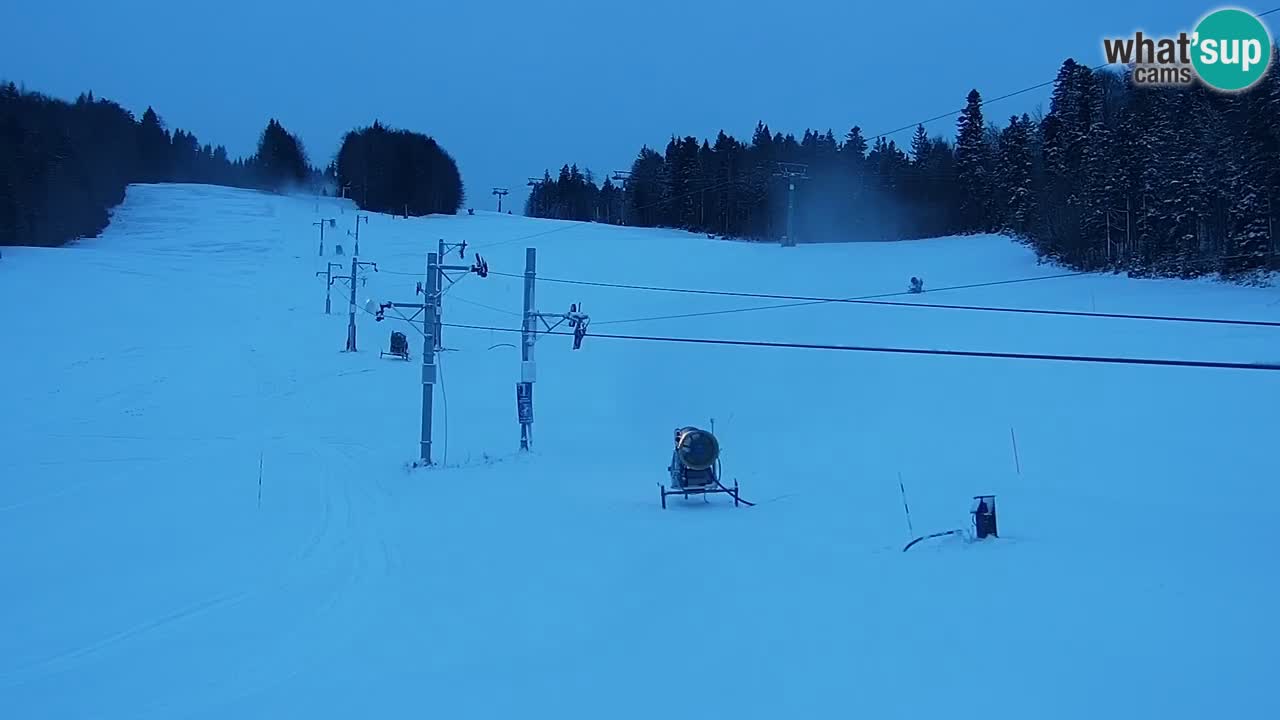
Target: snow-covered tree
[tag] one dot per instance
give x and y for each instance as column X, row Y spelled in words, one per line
column 973, row 166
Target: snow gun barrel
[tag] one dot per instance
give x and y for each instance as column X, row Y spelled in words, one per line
column 696, row 449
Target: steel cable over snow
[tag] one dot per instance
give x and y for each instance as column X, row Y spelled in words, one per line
column 1102, row 359
column 804, row 300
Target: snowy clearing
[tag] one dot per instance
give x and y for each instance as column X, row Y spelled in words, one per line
column 148, row 374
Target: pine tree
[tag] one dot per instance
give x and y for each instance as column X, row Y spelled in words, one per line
column 1249, row 184
column 540, row 202
column 1268, row 139
column 726, row 178
column 1065, row 132
column 853, row 160
column 646, row 196
column 560, row 192
column 972, row 166
column 1100, row 186
column 185, row 157
column 281, row 161
column 920, row 145
column 1014, row 177
column 827, row 151
column 609, row 210
column 1145, row 140
column 1186, row 201
column 762, row 158
column 153, row 149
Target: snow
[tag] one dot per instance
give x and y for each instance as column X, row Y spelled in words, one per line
column 148, row 374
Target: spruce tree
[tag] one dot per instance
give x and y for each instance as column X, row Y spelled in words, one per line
column 645, row 197
column 1187, row 199
column 1249, row 183
column 726, row 179
column 609, row 210
column 972, row 163
column 920, row 145
column 1014, row 177
column 1146, row 141
column 153, row 149
column 853, row 160
column 1065, row 133
column 281, row 161
column 1099, row 193
column 762, row 156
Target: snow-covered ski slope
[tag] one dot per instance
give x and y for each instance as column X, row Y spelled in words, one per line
column 149, row 569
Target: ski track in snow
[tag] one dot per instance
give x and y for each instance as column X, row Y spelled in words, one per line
column 142, row 578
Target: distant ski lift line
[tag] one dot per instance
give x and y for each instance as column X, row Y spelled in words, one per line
column 1099, row 359
column 872, row 300
column 1006, row 96
column 801, row 301
column 894, row 131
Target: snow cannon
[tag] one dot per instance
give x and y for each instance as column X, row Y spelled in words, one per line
column 695, row 466
column 696, row 449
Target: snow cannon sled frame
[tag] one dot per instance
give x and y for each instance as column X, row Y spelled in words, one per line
column 399, row 346
column 696, row 476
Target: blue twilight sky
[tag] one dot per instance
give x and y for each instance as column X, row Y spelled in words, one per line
column 511, row 88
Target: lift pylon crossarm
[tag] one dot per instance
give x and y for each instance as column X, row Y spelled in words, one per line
column 449, row 247
column 576, row 319
column 380, row 314
column 560, row 319
column 417, row 308
column 479, row 267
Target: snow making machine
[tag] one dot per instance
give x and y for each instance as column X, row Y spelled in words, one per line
column 399, row 344
column 695, row 466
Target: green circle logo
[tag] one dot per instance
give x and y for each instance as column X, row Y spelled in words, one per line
column 1232, row 49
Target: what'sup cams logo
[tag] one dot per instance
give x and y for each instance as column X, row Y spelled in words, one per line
column 1229, row 50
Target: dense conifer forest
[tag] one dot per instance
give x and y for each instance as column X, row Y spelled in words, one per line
column 64, row 165
column 1172, row 181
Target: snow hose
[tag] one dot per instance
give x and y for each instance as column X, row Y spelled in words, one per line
column 734, row 494
column 926, row 537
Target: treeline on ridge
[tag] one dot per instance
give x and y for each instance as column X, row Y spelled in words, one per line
column 1171, row 181
column 64, row 165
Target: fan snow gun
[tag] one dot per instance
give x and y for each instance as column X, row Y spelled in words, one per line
column 695, row 466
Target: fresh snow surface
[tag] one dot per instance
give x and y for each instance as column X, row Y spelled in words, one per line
column 148, row 375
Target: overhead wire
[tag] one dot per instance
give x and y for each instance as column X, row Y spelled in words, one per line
column 803, row 300
column 884, row 134
column 1006, row 96
column 467, row 301
column 1104, row 359
column 824, row 301
column 874, row 299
